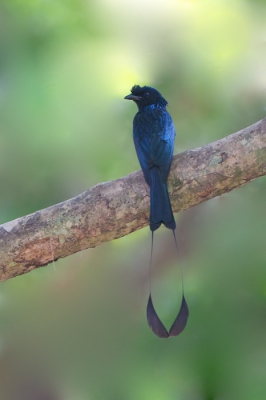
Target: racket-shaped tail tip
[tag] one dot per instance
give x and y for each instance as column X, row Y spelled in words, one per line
column 154, row 321
column 180, row 322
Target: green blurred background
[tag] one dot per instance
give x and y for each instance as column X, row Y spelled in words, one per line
column 77, row 330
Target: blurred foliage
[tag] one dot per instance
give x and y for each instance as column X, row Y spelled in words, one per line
column 77, row 329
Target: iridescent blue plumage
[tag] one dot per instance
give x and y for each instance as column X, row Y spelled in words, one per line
column 154, row 135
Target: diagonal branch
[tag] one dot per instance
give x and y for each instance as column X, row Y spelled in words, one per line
column 114, row 209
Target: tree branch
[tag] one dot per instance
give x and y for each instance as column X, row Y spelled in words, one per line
column 114, row 209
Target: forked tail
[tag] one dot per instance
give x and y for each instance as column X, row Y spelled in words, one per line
column 160, row 207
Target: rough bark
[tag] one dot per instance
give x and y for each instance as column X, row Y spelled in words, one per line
column 114, row 209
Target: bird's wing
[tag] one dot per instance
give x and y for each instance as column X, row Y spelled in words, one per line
column 162, row 147
column 154, row 135
column 142, row 143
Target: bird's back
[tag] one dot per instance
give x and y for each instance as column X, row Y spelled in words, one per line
column 154, row 134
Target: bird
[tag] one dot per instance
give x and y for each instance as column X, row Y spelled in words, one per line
column 154, row 136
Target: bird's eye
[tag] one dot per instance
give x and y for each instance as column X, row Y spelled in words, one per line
column 146, row 94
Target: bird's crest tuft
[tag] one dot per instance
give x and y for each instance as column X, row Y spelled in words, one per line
column 136, row 89
column 154, row 98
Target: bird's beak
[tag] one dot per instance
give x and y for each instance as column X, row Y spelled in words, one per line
column 132, row 97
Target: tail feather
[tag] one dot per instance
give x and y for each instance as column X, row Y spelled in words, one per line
column 160, row 207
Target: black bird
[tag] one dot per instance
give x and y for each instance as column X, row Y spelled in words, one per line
column 154, row 135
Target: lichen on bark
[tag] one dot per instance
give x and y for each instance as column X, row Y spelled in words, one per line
column 114, row 209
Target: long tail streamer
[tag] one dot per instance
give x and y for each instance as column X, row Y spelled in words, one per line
column 154, row 321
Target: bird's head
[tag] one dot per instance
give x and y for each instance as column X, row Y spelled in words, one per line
column 146, row 96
